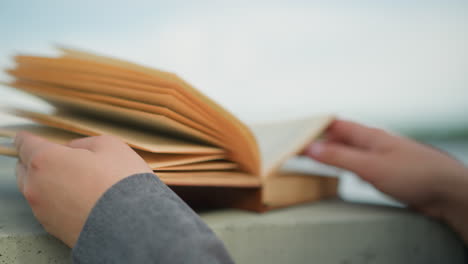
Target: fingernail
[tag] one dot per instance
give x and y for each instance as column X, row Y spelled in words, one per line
column 315, row 149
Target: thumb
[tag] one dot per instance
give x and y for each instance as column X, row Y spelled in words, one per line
column 88, row 143
column 99, row 143
column 340, row 155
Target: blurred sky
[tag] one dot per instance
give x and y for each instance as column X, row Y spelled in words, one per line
column 392, row 63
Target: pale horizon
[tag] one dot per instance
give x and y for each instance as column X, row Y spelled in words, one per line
column 393, row 64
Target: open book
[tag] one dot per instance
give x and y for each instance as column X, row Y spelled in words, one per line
column 203, row 152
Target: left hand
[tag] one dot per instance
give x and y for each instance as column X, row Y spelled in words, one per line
column 62, row 183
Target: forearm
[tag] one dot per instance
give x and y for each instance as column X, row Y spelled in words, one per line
column 140, row 220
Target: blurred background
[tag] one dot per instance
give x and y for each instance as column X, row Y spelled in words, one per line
column 400, row 65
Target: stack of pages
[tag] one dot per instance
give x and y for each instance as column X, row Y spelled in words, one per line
column 203, row 152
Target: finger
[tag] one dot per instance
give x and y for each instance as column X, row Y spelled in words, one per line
column 354, row 134
column 21, row 174
column 304, row 151
column 98, row 143
column 88, row 143
column 27, row 144
column 341, row 156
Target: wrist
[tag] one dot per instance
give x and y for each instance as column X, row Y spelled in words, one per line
column 455, row 202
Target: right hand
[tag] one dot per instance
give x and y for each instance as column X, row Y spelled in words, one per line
column 426, row 179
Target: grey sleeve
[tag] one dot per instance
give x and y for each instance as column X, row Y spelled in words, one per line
column 140, row 220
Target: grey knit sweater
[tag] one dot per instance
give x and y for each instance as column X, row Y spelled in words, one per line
column 140, row 220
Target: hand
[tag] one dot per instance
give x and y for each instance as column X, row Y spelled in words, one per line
column 62, row 183
column 425, row 178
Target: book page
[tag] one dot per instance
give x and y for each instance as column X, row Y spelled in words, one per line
column 282, row 140
column 207, row 178
column 243, row 149
column 158, row 124
column 139, row 139
column 238, row 140
column 73, row 81
column 154, row 160
column 8, row 151
column 104, row 74
column 157, row 160
column 201, row 166
column 53, row 93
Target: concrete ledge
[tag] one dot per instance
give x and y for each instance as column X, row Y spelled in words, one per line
column 336, row 232
column 324, row 232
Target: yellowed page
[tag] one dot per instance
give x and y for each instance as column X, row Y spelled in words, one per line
column 201, row 166
column 46, row 91
column 79, row 61
column 8, row 151
column 157, row 160
column 154, row 160
column 71, row 81
column 106, row 74
column 282, row 140
column 206, row 178
column 241, row 145
column 244, row 150
column 52, row 134
column 139, row 139
column 152, row 122
column 8, row 132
